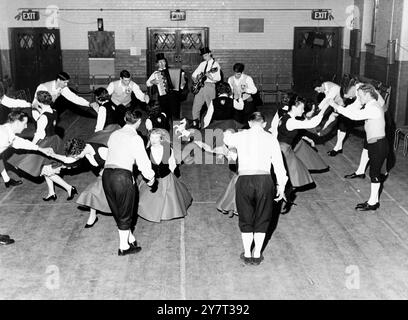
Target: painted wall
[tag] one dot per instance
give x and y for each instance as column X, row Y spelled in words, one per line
column 221, row 16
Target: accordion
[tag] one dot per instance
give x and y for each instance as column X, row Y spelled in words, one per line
column 175, row 78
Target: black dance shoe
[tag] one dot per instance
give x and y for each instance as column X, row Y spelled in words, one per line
column 333, row 153
column 5, row 240
column 361, row 205
column 369, row 207
column 135, row 246
column 257, row 261
column 74, row 191
column 355, row 175
column 92, row 224
column 12, row 183
column 131, row 250
column 52, row 197
column 245, row 259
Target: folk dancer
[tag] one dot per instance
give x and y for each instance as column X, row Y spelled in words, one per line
column 377, row 143
column 242, row 86
column 16, row 123
column 257, row 151
column 121, row 94
column 125, row 148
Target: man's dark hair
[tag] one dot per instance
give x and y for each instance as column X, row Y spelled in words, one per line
column 63, row 76
column 257, row 117
column 44, row 97
column 132, row 115
column 295, row 100
column 222, row 87
column 238, row 67
column 124, row 74
column 369, row 88
column 102, row 94
column 16, row 116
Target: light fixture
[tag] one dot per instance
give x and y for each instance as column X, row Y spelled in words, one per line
column 100, row 24
column 391, row 51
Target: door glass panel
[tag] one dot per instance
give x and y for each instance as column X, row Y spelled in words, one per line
column 164, row 41
column 191, row 41
column 25, row 41
column 47, row 41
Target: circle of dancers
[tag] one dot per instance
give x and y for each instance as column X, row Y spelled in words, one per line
column 139, row 144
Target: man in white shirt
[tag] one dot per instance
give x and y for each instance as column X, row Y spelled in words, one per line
column 121, row 94
column 62, row 96
column 7, row 105
column 243, row 87
column 16, row 123
column 125, row 148
column 212, row 71
column 257, row 151
column 377, row 143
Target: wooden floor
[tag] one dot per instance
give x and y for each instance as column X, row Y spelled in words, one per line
column 322, row 249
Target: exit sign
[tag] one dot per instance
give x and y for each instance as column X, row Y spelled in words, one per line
column 177, row 15
column 322, row 14
column 30, row 15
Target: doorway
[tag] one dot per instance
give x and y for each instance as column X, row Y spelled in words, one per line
column 181, row 47
column 317, row 55
column 35, row 56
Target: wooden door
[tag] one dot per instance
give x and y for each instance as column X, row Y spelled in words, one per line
column 181, row 47
column 35, row 56
column 316, row 56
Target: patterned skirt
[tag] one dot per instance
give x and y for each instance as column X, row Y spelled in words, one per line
column 226, row 202
column 94, row 197
column 298, row 173
column 310, row 157
column 32, row 162
column 170, row 201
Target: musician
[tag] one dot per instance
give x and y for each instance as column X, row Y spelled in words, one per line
column 243, row 86
column 169, row 82
column 212, row 71
column 121, row 94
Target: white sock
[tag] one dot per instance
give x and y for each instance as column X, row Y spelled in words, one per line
column 5, row 176
column 340, row 138
column 92, row 216
column 259, row 240
column 123, row 239
column 247, row 239
column 375, row 190
column 363, row 162
column 131, row 238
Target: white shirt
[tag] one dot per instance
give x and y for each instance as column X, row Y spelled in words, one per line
column 120, row 92
column 373, row 114
column 332, row 91
column 42, row 122
column 101, row 119
column 8, row 138
column 216, row 76
column 257, row 151
column 243, row 84
column 55, row 92
column 125, row 148
column 14, row 103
